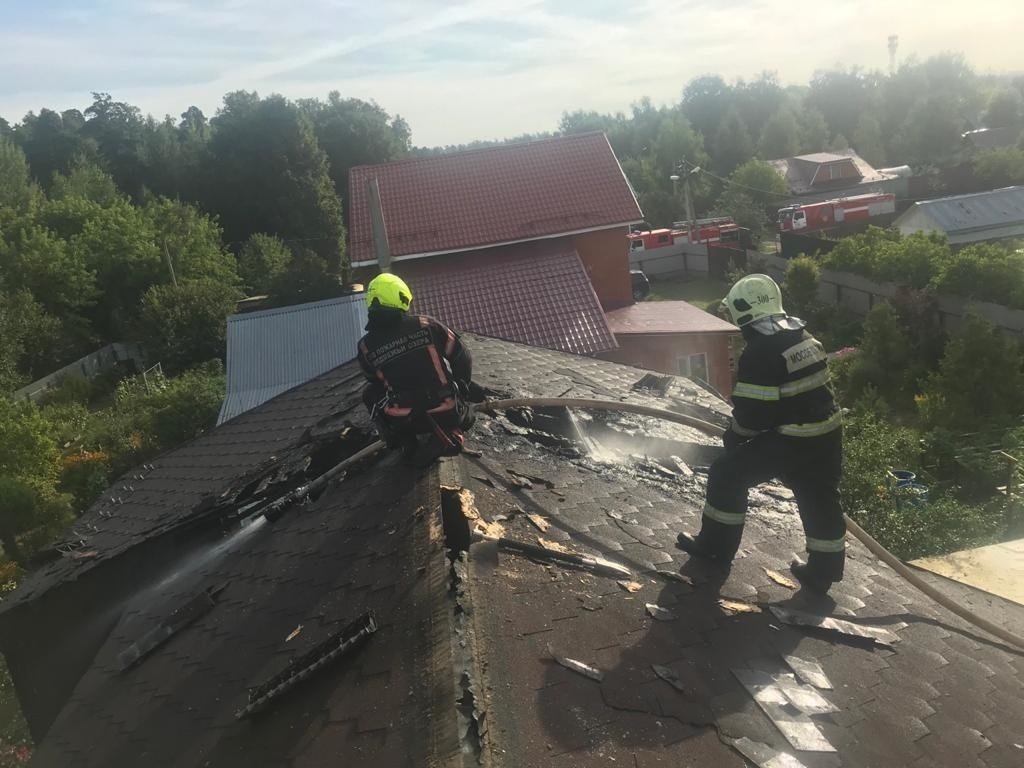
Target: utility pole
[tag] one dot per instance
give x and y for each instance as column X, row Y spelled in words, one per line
column 170, row 265
column 688, row 201
column 380, row 232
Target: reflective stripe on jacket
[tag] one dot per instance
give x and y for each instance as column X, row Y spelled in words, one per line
column 783, row 385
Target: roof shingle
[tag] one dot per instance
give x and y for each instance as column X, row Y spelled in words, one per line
column 534, row 293
column 666, row 317
column 492, row 196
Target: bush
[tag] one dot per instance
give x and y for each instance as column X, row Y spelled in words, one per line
column 979, row 381
column 911, row 530
column 872, row 446
column 984, row 272
column 801, row 285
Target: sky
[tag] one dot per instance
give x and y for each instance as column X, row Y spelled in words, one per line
column 459, row 71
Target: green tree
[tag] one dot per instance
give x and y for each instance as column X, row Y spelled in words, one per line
column 121, row 247
column 27, row 334
column 35, row 260
column 1005, row 109
column 192, row 241
column 262, row 261
column 267, row 174
column 813, row 130
column 780, row 136
column 118, row 131
column 354, row 132
column 994, row 168
column 705, row 100
column 16, row 188
column 883, row 359
column 305, row 279
column 979, row 381
column 751, row 195
column 842, row 97
column 732, row 143
column 931, row 133
column 52, row 141
column 868, row 140
column 185, row 324
column 85, row 180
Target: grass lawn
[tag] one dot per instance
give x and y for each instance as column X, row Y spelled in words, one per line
column 696, row 291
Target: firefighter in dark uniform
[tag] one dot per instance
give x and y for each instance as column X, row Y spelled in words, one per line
column 419, row 372
column 785, row 425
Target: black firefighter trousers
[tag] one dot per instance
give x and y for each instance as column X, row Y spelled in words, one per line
column 810, row 466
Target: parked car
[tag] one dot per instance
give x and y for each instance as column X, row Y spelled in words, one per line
column 641, row 285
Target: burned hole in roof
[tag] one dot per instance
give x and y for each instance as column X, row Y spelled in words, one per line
column 455, row 517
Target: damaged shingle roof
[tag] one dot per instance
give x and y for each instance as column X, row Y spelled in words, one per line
column 943, row 695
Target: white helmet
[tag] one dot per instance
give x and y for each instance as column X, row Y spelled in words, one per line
column 752, row 298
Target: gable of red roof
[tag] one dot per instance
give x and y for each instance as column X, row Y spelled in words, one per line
column 492, row 196
column 534, row 293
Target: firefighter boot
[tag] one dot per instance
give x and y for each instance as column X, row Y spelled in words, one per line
column 810, row 578
column 694, row 546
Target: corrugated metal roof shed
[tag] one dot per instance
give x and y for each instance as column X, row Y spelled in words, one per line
column 994, row 209
column 272, row 351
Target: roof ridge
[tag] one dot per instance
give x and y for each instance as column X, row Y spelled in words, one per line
column 971, row 194
column 479, row 150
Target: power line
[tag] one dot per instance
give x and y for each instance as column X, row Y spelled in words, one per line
column 738, row 184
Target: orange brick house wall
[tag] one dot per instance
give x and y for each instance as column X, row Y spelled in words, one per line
column 605, row 254
column 663, row 352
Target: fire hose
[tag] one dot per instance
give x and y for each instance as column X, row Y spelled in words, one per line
column 715, row 431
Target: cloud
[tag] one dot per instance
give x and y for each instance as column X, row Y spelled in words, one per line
column 462, row 71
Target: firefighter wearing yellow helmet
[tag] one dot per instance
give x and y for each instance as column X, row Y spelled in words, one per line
column 418, row 374
column 785, row 425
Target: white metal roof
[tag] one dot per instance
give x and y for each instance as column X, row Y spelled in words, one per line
column 272, row 351
column 981, row 210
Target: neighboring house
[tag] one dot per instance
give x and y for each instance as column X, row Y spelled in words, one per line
column 980, row 217
column 674, row 337
column 463, row 668
column 567, row 195
column 827, row 175
column 275, row 350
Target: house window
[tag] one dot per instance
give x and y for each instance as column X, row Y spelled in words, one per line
column 695, row 367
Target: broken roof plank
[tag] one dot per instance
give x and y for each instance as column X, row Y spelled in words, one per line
column 809, row 671
column 799, row 618
column 799, row 730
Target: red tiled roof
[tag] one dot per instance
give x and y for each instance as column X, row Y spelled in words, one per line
column 535, row 293
column 665, row 317
column 492, row 196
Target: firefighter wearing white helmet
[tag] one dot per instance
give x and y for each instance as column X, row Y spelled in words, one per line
column 785, row 425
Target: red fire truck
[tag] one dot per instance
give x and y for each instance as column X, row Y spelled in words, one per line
column 705, row 231
column 834, row 213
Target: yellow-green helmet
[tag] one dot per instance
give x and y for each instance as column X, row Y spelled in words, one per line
column 388, row 291
column 752, row 298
